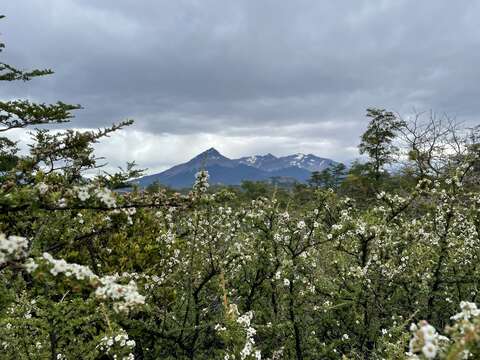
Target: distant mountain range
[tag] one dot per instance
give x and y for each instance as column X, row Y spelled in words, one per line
column 222, row 170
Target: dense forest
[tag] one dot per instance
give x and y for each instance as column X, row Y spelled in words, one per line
column 379, row 260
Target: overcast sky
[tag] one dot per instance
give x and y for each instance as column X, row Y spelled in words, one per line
column 244, row 76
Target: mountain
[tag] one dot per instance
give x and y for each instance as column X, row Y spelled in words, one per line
column 227, row 171
column 269, row 162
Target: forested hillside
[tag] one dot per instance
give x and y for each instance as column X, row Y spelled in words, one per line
column 380, row 262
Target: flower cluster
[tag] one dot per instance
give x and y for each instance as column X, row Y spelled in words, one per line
column 125, row 297
column 12, row 247
column 82, row 192
column 60, row 266
column 106, row 196
column 425, row 341
column 469, row 310
column 42, row 188
column 463, row 341
column 117, row 343
column 201, row 182
column 248, row 348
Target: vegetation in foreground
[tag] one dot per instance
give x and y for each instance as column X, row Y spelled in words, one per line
column 363, row 264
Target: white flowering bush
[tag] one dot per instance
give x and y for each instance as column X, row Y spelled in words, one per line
column 462, row 340
column 251, row 272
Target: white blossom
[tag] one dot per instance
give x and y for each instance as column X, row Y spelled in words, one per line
column 12, row 247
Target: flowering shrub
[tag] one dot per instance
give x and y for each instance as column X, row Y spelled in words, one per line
column 463, row 341
column 89, row 272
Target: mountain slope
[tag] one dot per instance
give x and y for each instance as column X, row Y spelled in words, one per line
column 227, row 171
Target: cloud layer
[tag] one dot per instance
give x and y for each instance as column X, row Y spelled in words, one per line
column 247, row 76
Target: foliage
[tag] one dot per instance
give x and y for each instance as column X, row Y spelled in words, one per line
column 377, row 141
column 87, row 272
column 330, row 178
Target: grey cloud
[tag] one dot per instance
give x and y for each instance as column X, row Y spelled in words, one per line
column 244, row 68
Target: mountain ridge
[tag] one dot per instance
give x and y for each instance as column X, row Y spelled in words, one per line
column 226, row 171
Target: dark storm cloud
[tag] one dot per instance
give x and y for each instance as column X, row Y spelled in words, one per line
column 295, row 71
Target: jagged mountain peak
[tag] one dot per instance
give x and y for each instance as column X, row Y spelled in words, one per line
column 254, row 159
column 270, row 156
column 310, row 162
column 209, row 155
column 210, row 152
column 299, row 156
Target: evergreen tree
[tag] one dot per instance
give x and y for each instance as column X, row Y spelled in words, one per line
column 378, row 141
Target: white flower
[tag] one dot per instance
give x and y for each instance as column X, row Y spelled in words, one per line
column 219, row 328
column 469, row 309
column 123, row 296
column 428, row 331
column 429, row 350
column 12, row 247
column 30, row 265
column 42, row 188
column 131, row 343
column 245, row 319
column 301, row 225
column 62, row 203
column 82, row 192
column 106, row 196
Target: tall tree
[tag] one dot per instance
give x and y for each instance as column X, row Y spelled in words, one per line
column 378, row 140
